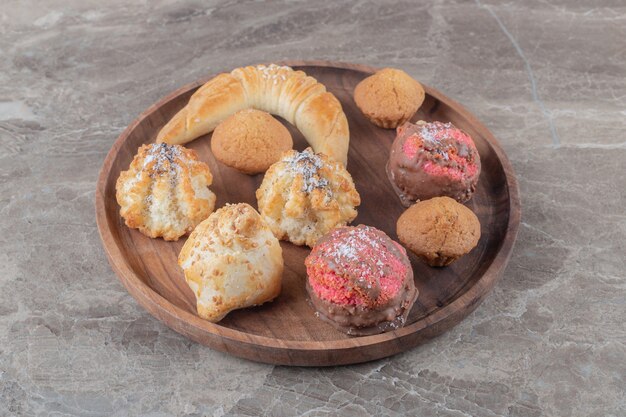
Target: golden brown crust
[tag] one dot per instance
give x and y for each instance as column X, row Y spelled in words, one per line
column 207, row 107
column 304, row 195
column 439, row 230
column 293, row 95
column 231, row 261
column 165, row 191
column 389, row 98
column 250, row 141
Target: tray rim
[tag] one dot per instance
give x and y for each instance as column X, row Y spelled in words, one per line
column 197, row 329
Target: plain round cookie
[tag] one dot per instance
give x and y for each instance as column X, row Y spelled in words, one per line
column 250, row 141
column 389, row 98
column 439, row 230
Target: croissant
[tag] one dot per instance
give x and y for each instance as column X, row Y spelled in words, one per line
column 292, row 95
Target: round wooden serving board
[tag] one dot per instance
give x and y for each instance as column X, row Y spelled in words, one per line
column 287, row 331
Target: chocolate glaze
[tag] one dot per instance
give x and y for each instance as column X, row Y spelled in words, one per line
column 364, row 273
column 407, row 175
column 363, row 321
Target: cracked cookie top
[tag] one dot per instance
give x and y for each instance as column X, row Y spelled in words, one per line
column 439, row 230
column 389, row 98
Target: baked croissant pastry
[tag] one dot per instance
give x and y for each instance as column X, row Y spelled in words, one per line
column 165, row 191
column 232, row 260
column 292, row 95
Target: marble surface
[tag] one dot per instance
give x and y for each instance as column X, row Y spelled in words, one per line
column 547, row 77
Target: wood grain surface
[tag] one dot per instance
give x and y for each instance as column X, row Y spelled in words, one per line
column 286, row 331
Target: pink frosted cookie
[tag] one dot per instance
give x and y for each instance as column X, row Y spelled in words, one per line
column 432, row 160
column 360, row 280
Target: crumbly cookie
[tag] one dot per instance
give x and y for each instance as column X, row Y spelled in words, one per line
column 304, row 195
column 439, row 230
column 232, row 260
column 165, row 191
column 389, row 98
column 250, row 141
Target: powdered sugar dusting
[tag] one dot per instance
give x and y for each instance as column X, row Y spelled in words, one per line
column 164, row 157
column 273, row 72
column 308, row 165
column 355, row 243
column 432, row 132
column 442, row 141
column 346, row 251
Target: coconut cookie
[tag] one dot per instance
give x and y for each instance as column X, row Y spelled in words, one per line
column 232, row 260
column 304, row 195
column 165, row 191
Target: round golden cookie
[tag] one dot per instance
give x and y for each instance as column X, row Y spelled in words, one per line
column 389, row 98
column 439, row 230
column 250, row 141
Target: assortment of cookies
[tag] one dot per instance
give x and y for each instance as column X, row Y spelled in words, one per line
column 358, row 278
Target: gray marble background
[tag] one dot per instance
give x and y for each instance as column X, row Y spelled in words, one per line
column 548, row 77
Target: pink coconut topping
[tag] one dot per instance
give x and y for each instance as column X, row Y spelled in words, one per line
column 358, row 266
column 446, row 148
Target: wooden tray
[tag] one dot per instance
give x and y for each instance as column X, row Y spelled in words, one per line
column 286, row 330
